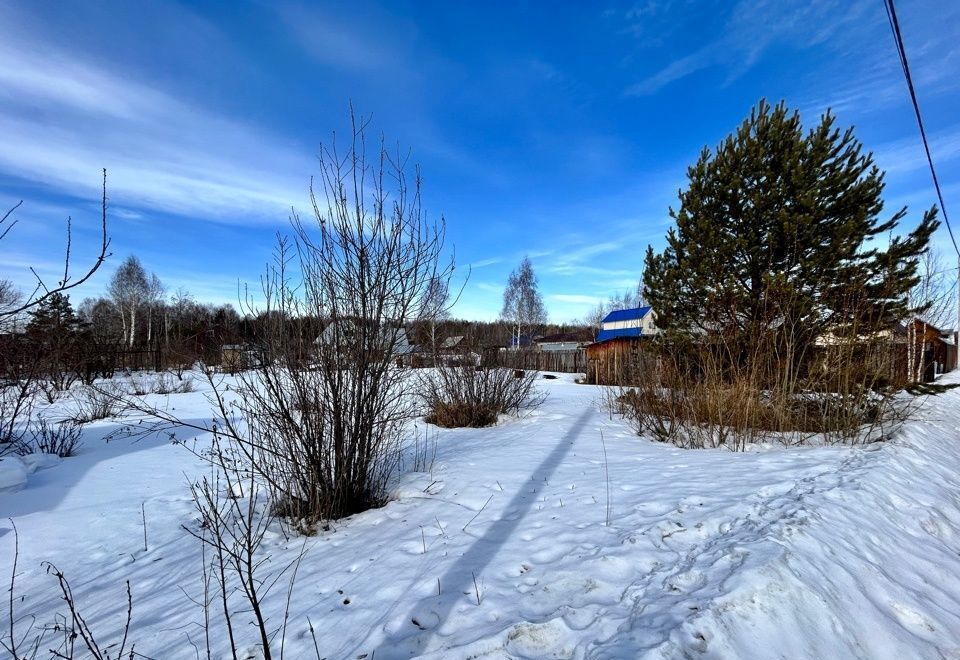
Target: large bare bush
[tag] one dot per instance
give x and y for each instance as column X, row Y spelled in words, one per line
column 321, row 421
column 469, row 396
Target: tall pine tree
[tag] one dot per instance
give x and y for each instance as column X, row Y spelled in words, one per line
column 779, row 234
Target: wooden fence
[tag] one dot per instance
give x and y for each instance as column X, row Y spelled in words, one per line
column 563, row 361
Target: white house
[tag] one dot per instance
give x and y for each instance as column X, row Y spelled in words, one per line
column 633, row 322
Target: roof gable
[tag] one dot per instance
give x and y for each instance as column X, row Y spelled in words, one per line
column 632, row 314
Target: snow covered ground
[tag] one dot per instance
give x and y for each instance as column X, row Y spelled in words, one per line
column 827, row 552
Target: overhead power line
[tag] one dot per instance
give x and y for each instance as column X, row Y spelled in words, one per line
column 895, row 27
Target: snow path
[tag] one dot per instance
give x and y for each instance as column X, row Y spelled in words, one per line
column 461, row 575
column 795, row 553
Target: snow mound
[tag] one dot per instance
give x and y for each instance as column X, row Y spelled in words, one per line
column 13, row 474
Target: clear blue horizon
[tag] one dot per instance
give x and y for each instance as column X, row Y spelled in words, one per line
column 561, row 130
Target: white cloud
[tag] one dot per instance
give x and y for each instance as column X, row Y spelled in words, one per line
column 64, row 118
column 575, row 298
column 907, row 154
column 485, row 262
column 330, row 39
column 752, row 27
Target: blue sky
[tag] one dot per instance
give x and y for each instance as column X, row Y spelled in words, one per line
column 558, row 130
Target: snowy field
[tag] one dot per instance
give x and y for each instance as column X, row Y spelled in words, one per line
column 508, row 548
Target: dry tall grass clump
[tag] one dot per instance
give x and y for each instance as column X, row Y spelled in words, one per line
column 696, row 396
column 468, row 396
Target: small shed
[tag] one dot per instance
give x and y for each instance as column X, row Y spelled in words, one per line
column 239, row 357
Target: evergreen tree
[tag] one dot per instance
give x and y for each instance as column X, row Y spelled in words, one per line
column 775, row 236
column 53, row 323
column 56, row 337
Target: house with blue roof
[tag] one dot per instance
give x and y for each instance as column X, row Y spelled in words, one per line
column 630, row 323
column 618, row 356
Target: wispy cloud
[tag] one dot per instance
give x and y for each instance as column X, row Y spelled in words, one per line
column 750, row 29
column 485, row 262
column 63, row 117
column 331, row 39
column 907, row 155
column 575, row 298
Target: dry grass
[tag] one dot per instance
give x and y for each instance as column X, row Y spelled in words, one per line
column 697, row 400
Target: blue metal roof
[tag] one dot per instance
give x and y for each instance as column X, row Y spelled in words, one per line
column 604, row 335
column 631, row 314
column 525, row 341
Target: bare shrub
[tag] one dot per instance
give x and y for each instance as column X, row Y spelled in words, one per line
column 49, row 391
column 465, row 396
column 166, row 383
column 93, row 402
column 16, row 403
column 137, row 385
column 60, row 438
column 235, row 515
column 321, row 420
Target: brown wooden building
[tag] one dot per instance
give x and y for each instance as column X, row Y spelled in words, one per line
column 617, row 361
column 927, row 351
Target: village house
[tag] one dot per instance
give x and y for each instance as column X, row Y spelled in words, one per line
column 344, row 332
column 910, row 352
column 934, row 350
column 616, row 354
column 563, row 342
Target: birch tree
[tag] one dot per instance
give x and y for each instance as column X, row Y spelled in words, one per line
column 522, row 304
column 129, row 289
column 435, row 308
column 154, row 298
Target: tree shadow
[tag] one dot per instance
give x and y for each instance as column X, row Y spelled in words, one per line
column 47, row 488
column 460, row 577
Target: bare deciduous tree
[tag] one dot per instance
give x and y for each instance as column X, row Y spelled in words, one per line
column 522, row 305
column 155, row 291
column 435, row 309
column 129, row 290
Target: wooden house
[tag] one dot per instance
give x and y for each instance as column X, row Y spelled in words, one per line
column 617, row 356
column 928, row 351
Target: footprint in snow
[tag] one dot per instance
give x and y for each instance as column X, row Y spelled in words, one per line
column 913, row 621
column 686, row 581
